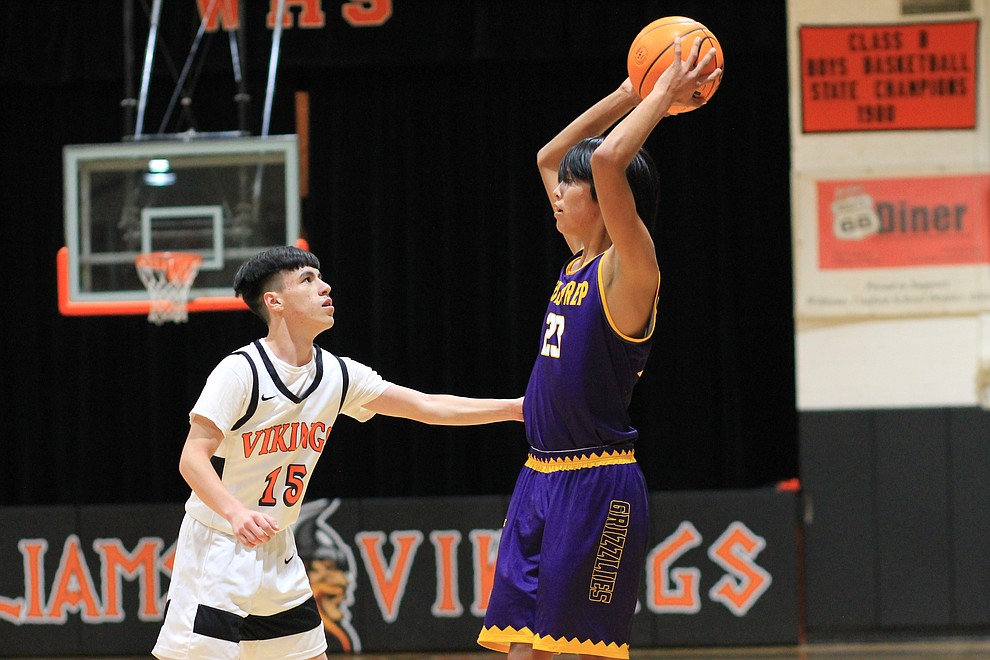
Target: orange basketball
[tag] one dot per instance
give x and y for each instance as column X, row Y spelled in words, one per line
column 652, row 51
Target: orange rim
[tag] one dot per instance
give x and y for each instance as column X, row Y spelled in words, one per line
column 69, row 307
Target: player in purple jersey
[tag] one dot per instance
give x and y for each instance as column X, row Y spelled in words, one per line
column 571, row 554
column 239, row 588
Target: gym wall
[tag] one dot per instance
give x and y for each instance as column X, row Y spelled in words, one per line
column 890, row 182
column 409, row 574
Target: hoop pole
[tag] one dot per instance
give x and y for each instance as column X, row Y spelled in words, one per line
column 149, row 57
column 181, row 82
column 241, row 97
column 128, row 103
column 272, row 67
column 269, row 94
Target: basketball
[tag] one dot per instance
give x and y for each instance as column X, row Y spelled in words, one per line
column 652, row 51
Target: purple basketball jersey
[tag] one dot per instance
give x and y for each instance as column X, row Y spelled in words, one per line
column 582, row 382
column 571, row 554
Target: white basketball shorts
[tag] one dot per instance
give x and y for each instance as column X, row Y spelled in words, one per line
column 228, row 601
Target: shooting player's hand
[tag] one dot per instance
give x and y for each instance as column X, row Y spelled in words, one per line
column 684, row 77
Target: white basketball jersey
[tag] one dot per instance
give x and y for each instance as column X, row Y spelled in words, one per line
column 276, row 420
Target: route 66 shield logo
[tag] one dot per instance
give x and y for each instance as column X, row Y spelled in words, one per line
column 854, row 216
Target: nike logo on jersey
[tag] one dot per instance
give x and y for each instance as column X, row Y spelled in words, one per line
column 290, row 558
column 267, row 398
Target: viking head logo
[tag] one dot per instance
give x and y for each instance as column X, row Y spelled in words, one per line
column 332, row 572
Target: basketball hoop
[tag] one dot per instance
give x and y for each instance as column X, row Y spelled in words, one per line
column 168, row 276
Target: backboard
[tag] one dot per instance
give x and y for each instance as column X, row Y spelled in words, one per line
column 225, row 199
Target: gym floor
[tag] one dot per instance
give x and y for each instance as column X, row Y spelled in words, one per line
column 947, row 649
column 915, row 650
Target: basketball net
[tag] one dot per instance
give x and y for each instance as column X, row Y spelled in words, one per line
column 168, row 276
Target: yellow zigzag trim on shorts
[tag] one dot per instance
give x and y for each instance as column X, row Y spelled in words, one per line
column 580, row 462
column 499, row 639
column 563, row 645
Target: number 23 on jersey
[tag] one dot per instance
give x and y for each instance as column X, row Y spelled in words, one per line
column 554, row 335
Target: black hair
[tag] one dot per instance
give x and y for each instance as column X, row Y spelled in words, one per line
column 261, row 273
column 641, row 175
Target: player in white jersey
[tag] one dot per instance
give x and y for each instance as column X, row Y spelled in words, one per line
column 238, row 588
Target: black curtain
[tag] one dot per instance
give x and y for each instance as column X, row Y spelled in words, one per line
column 427, row 211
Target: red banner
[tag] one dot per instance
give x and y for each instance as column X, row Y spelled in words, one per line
column 888, row 77
column 886, row 223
